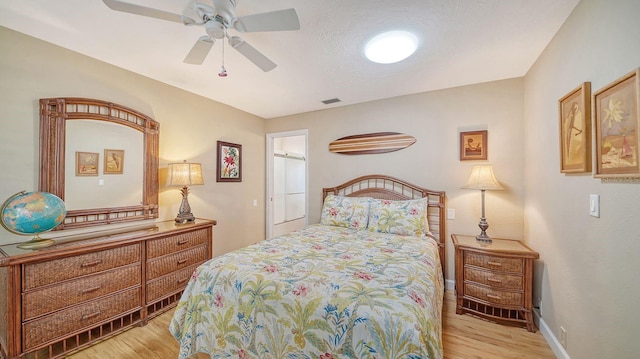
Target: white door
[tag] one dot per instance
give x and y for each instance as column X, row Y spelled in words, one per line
column 287, row 183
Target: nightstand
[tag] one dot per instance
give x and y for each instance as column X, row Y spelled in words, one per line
column 494, row 280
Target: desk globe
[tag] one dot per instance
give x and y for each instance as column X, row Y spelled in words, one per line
column 32, row 213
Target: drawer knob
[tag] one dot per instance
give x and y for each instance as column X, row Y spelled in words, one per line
column 182, row 261
column 494, row 297
column 91, row 264
column 493, row 280
column 182, row 241
column 495, row 264
column 91, row 315
column 183, row 280
column 89, row 290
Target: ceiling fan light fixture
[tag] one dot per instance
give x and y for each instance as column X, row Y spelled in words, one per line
column 391, row 47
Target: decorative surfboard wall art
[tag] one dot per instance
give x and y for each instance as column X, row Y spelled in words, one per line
column 379, row 142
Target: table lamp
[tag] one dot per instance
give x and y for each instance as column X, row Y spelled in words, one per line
column 185, row 174
column 482, row 178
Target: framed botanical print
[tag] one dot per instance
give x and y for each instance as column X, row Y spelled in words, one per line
column 473, row 145
column 87, row 163
column 617, row 120
column 575, row 130
column 229, row 162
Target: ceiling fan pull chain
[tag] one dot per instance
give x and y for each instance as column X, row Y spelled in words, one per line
column 223, row 71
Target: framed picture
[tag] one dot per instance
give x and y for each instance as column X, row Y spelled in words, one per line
column 229, row 163
column 87, row 163
column 575, row 130
column 473, row 145
column 617, row 121
column 113, row 162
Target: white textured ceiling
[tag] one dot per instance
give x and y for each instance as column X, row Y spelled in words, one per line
column 461, row 42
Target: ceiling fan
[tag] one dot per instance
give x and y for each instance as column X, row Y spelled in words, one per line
column 216, row 20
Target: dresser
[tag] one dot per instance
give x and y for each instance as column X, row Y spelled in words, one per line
column 87, row 287
column 494, row 280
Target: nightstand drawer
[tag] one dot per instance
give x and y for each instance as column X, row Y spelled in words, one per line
column 503, row 264
column 493, row 279
column 498, row 297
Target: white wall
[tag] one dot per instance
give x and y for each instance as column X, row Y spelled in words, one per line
column 434, row 119
column 190, row 125
column 587, row 276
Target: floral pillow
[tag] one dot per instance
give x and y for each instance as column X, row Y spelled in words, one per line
column 407, row 218
column 349, row 212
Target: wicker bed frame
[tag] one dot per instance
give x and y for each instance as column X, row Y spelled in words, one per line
column 387, row 187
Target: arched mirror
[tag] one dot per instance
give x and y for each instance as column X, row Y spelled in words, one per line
column 101, row 159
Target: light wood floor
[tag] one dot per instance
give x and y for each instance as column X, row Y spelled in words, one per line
column 464, row 337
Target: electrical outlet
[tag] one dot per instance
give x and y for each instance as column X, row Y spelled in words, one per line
column 563, row 337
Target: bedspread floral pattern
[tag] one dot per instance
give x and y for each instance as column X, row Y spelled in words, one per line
column 321, row 292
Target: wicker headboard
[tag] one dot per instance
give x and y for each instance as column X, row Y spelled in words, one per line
column 387, row 187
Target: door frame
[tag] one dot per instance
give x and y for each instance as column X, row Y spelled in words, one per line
column 269, row 175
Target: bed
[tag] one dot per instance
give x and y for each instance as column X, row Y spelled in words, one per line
column 365, row 282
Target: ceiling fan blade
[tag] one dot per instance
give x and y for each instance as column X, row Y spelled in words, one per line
column 199, row 51
column 252, row 54
column 279, row 20
column 147, row 11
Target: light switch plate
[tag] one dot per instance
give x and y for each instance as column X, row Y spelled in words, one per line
column 451, row 213
column 594, row 205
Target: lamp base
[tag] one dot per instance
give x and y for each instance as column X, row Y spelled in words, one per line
column 482, row 237
column 183, row 218
column 184, row 213
column 483, row 230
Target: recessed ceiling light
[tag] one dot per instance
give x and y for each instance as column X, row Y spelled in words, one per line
column 390, row 47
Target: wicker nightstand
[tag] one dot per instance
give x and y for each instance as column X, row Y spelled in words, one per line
column 494, row 280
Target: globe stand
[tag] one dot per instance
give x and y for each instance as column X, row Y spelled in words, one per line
column 36, row 242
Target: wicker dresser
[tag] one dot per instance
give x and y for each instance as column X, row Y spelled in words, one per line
column 494, row 280
column 87, row 287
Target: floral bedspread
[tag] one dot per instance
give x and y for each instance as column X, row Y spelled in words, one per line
column 321, row 292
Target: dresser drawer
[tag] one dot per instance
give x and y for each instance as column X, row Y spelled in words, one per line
column 60, row 324
column 171, row 263
column 493, row 279
column 515, row 265
column 167, row 245
column 168, row 284
column 68, row 293
column 498, row 297
column 57, row 270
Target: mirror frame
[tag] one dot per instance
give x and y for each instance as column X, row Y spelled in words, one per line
column 54, row 112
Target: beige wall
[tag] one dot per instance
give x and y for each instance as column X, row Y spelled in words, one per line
column 190, row 125
column 588, row 273
column 434, row 119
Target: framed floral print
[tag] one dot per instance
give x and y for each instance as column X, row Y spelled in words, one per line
column 229, row 162
column 473, row 145
column 87, row 163
column 617, row 119
column 575, row 130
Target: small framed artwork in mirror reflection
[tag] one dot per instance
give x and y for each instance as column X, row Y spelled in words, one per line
column 113, row 162
column 87, row 163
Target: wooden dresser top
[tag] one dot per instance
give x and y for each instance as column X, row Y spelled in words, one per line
column 12, row 254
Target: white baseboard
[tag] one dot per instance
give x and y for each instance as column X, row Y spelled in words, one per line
column 449, row 284
column 548, row 335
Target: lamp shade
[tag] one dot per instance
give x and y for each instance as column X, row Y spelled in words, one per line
column 482, row 178
column 185, row 174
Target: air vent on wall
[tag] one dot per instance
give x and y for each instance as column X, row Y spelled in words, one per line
column 331, row 100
